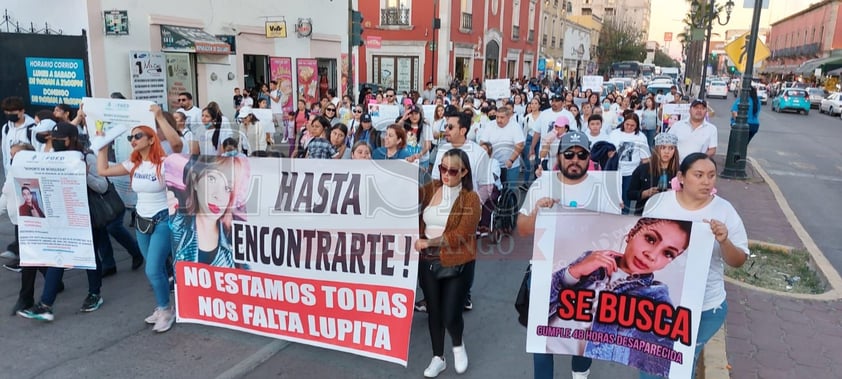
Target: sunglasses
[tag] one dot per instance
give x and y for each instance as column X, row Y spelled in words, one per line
column 135, row 136
column 582, row 155
column 390, row 95
column 180, row 100
column 358, row 111
column 450, row 127
column 330, row 110
column 449, row 171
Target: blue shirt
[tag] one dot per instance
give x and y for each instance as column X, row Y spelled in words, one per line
column 380, row 153
column 752, row 116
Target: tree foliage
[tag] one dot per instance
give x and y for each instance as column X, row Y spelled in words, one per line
column 619, row 43
column 664, row 60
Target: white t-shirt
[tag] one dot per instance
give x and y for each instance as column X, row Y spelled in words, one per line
column 194, row 116
column 631, row 147
column 480, row 163
column 599, row 192
column 546, row 121
column 665, row 205
column 150, row 188
column 531, row 125
column 694, row 141
column 276, row 106
column 503, row 140
column 594, row 139
column 205, row 139
column 416, row 144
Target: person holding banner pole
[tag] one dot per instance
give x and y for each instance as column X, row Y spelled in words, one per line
column 694, row 199
column 65, row 137
column 145, row 166
column 450, row 214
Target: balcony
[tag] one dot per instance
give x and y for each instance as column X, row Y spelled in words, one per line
column 530, row 36
column 394, row 17
column 515, row 32
column 467, row 22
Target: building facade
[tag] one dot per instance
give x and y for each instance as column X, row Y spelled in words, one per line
column 568, row 40
column 634, row 14
column 807, row 40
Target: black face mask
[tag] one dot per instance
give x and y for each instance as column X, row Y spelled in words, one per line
column 492, row 118
column 59, row 145
column 13, row 117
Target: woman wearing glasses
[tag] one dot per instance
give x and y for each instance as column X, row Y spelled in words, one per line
column 145, row 168
column 450, row 214
column 331, row 114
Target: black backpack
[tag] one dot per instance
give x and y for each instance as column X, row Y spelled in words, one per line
column 28, row 131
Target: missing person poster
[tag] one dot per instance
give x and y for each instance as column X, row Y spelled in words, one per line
column 498, row 88
column 618, row 288
column 308, row 251
column 673, row 113
column 54, row 225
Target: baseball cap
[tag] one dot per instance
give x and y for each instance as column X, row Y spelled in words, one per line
column 451, row 111
column 557, row 98
column 697, row 102
column 64, row 130
column 245, row 111
column 562, row 121
column 365, row 118
column 415, row 109
column 574, row 138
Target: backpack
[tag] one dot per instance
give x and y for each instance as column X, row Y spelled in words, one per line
column 28, row 132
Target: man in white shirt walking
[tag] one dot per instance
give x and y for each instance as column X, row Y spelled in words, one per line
column 695, row 135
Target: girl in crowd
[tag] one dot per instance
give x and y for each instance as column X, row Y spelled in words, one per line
column 145, row 168
column 649, row 120
column 367, row 133
column 753, row 112
column 331, row 114
column 633, row 150
column 253, row 130
column 354, row 120
column 654, row 177
column 338, row 135
column 532, row 131
column 214, row 195
column 439, row 123
column 694, row 199
column 319, row 146
column 300, row 119
column 65, row 137
column 394, row 143
column 576, row 123
column 419, row 136
column 361, row 150
column 450, row 214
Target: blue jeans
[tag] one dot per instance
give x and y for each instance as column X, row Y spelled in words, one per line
column 542, row 364
column 511, row 175
column 528, row 167
column 117, row 230
column 650, row 136
column 625, row 194
column 54, row 275
column 709, row 324
column 156, row 249
column 95, row 275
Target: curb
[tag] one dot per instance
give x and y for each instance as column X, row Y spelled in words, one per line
column 252, row 361
column 715, row 357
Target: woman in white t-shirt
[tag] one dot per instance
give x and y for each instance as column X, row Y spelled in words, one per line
column 633, row 149
column 145, row 167
column 694, row 199
column 532, row 132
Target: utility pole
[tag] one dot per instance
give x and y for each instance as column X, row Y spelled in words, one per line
column 351, row 83
column 711, row 14
column 735, row 158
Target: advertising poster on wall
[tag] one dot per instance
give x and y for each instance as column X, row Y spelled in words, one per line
column 308, row 80
column 149, row 82
column 54, row 225
column 308, row 251
column 54, row 81
column 180, row 78
column 281, row 71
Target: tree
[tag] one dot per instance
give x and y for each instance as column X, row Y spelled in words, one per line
column 664, row 60
column 618, row 43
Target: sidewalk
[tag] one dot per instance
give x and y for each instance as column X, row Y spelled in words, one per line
column 774, row 335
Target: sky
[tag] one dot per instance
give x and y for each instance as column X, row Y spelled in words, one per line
column 667, row 15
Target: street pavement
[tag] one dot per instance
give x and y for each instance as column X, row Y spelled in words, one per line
column 768, row 335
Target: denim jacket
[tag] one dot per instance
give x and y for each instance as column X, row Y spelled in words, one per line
column 187, row 247
column 636, row 285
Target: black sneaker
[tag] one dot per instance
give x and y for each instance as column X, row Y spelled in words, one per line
column 39, row 312
column 468, row 304
column 137, row 262
column 91, row 303
column 421, row 306
column 12, row 267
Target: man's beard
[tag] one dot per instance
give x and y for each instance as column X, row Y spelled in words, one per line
column 573, row 176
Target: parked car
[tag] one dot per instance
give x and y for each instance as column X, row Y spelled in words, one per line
column 816, row 96
column 793, row 99
column 832, row 104
column 718, row 88
column 762, row 95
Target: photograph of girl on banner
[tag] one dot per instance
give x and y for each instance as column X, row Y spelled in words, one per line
column 206, row 194
column 30, row 207
column 650, row 246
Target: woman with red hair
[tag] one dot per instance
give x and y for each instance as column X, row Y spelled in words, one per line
column 145, row 168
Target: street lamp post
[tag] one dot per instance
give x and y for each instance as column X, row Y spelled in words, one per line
column 713, row 13
column 735, row 158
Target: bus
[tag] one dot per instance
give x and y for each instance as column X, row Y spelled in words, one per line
column 626, row 69
column 647, row 71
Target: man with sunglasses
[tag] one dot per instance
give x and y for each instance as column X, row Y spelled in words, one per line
column 570, row 188
column 193, row 113
column 390, row 98
column 455, row 133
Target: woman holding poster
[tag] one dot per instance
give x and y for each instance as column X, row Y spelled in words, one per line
column 694, row 199
column 145, row 168
column 450, row 214
column 211, row 196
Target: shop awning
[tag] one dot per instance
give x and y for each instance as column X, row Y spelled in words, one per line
column 191, row 40
column 810, row 66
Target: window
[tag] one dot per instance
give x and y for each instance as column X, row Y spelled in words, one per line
column 400, row 73
column 516, row 13
column 466, row 6
column 467, row 18
column 531, row 21
column 395, row 12
column 586, row 11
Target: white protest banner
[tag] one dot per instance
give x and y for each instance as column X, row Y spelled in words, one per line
column 383, row 115
column 266, row 120
column 101, row 115
column 149, row 81
column 673, row 113
column 645, row 314
column 54, row 224
column 592, row 82
column 498, row 88
column 310, row 251
column 429, row 113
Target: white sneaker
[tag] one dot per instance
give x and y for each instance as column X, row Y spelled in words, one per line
column 581, row 375
column 166, row 317
column 153, row 317
column 8, row 254
column 435, row 368
column 460, row 359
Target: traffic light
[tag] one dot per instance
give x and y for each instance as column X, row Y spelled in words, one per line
column 356, row 28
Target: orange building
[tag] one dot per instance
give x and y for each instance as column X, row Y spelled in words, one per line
column 807, row 40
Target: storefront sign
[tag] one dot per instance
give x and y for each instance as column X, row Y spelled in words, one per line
column 308, row 80
column 280, row 70
column 191, row 40
column 304, row 27
column 149, row 82
column 180, row 78
column 373, row 42
column 54, row 81
column 276, row 29
column 542, row 64
column 116, row 23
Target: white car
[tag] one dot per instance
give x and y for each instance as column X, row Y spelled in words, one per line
column 718, row 88
column 762, row 95
column 832, row 104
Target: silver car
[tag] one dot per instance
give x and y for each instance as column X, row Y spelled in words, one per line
column 816, row 96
